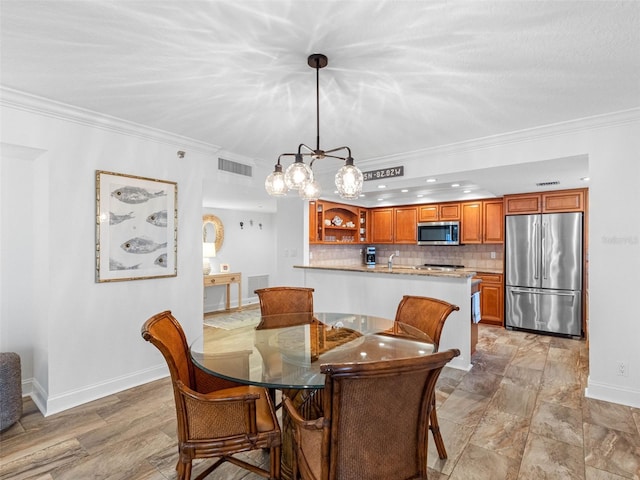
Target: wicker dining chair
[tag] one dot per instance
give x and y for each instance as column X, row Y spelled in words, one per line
column 427, row 314
column 216, row 417
column 375, row 421
column 285, row 306
column 282, row 307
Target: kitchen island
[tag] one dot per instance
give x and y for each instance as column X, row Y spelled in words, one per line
column 378, row 291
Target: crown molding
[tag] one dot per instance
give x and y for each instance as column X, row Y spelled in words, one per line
column 31, row 103
column 51, row 108
column 535, row 133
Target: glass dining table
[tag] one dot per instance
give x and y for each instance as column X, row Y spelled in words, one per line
column 288, row 358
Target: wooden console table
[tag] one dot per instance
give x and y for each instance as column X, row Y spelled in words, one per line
column 226, row 279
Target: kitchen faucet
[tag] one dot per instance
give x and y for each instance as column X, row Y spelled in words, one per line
column 390, row 261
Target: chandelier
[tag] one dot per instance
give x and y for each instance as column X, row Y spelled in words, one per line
column 299, row 176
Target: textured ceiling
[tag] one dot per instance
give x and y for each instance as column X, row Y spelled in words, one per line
column 402, row 75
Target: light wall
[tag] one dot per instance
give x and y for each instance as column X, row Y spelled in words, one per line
column 79, row 340
column 247, row 249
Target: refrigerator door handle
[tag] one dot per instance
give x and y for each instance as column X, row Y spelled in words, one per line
column 536, row 263
column 543, row 292
column 543, row 250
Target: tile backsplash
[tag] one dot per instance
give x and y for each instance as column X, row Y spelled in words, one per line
column 471, row 256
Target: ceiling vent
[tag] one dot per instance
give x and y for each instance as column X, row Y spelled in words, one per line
column 547, row 184
column 234, row 167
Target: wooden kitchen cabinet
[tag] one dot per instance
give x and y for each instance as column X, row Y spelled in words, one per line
column 364, row 224
column 429, row 213
column 563, row 201
column 471, row 225
column 522, row 204
column 393, row 225
column 381, row 225
column 492, row 221
column 482, row 222
column 333, row 222
column 547, row 202
column 405, row 223
column 491, row 298
column 439, row 212
column 315, row 212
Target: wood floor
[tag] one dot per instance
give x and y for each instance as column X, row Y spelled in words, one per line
column 519, row 414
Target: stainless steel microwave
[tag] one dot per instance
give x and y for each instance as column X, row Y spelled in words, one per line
column 439, row 233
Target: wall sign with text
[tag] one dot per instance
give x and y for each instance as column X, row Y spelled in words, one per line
column 383, row 173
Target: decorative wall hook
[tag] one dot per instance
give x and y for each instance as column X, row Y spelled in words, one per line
column 180, row 154
column 241, row 225
column 260, row 225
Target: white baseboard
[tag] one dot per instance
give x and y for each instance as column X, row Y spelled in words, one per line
column 613, row 394
column 38, row 395
column 50, row 405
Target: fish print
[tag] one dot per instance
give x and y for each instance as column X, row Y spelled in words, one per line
column 135, row 194
column 116, row 219
column 161, row 261
column 116, row 265
column 141, row 245
column 159, row 219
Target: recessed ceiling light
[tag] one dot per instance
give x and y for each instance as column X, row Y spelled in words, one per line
column 466, row 191
column 382, row 186
column 380, row 199
column 585, row 179
column 431, row 180
column 455, row 184
column 404, row 190
column 362, row 195
column 420, row 196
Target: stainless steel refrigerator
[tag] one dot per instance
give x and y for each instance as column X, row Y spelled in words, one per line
column 543, row 272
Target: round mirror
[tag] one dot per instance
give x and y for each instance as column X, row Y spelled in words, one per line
column 212, row 230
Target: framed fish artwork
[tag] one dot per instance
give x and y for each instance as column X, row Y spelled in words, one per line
column 136, row 227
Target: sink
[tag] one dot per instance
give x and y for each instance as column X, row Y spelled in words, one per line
column 435, row 269
column 439, row 268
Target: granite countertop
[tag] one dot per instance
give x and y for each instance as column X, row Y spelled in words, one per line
column 489, row 270
column 396, row 270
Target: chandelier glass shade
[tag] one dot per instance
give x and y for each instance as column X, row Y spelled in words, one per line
column 349, row 180
column 275, row 184
column 299, row 176
column 311, row 191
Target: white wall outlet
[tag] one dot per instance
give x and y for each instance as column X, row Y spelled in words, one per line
column 493, row 255
column 623, row 369
column 397, row 253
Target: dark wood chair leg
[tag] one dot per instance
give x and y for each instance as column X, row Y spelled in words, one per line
column 435, row 430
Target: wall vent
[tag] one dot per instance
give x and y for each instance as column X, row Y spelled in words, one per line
column 547, row 184
column 234, row 167
column 256, row 282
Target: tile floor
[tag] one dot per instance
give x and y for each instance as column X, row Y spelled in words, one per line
column 519, row 414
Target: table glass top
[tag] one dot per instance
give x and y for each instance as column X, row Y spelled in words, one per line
column 290, row 357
